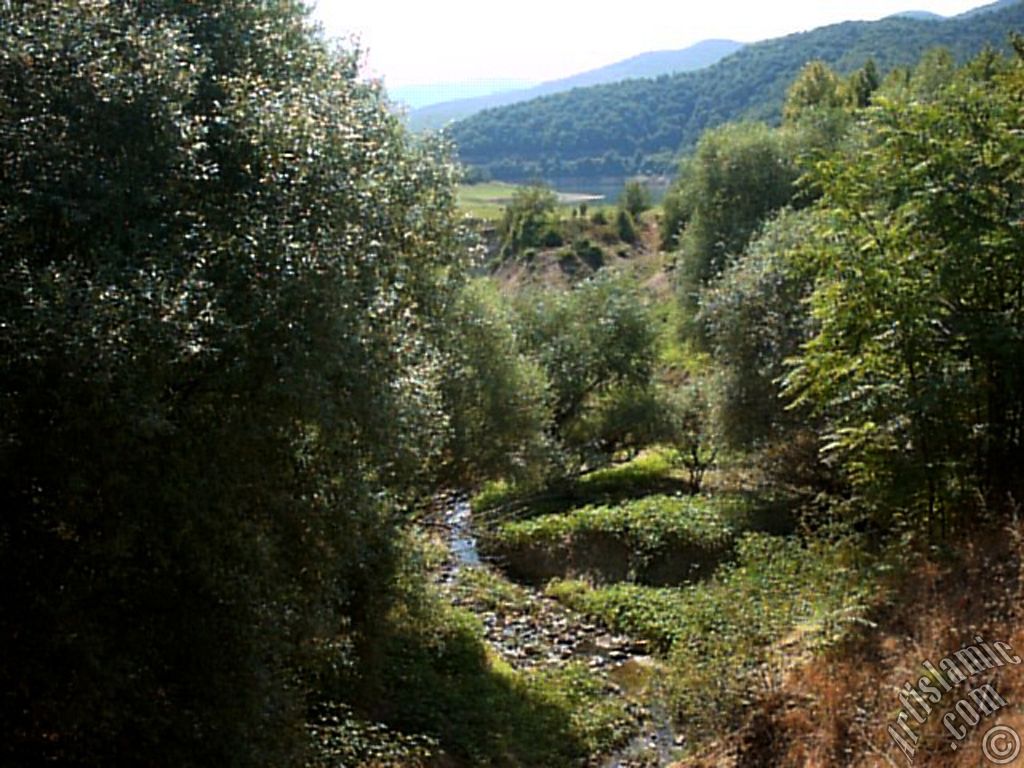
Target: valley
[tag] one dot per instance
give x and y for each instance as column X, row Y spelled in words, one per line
column 673, row 420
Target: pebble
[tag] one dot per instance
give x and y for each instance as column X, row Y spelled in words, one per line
column 545, row 634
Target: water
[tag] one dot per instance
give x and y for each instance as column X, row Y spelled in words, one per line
column 568, row 638
column 608, row 188
column 461, row 538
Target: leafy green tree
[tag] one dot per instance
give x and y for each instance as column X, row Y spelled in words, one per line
column 529, row 220
column 636, row 198
column 862, row 84
column 820, row 106
column 739, row 175
column 916, row 361
column 677, row 206
column 755, row 319
column 817, row 87
column 225, row 271
column 592, row 342
column 625, row 227
column 496, row 397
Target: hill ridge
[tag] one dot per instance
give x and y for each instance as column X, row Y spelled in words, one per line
column 642, row 65
column 640, row 126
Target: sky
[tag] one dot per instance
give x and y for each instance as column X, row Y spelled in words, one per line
column 421, row 42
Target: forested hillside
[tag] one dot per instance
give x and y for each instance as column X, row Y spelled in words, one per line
column 640, row 126
column 645, row 65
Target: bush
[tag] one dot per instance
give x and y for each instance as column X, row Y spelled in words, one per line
column 720, row 637
column 529, row 221
column 753, row 320
column 739, row 175
column 496, row 396
column 624, row 226
column 635, row 199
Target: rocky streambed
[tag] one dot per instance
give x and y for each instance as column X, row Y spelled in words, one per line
column 530, row 630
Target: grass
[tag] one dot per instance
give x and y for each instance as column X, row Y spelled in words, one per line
column 442, row 680
column 676, row 354
column 442, row 696
column 653, row 471
column 645, row 525
column 835, row 709
column 486, row 200
column 724, row 638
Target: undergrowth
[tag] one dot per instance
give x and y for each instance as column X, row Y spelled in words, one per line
column 726, row 639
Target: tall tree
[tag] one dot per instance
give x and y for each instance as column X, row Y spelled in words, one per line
column 917, row 359
column 738, row 177
column 222, row 267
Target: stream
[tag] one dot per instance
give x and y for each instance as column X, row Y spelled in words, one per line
column 549, row 634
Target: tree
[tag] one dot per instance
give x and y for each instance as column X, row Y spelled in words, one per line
column 594, row 343
column 817, row 87
column 916, row 361
column 755, row 319
column 625, row 227
column 739, row 175
column 495, row 396
column 636, row 198
column 862, row 84
column 225, row 269
column 529, row 220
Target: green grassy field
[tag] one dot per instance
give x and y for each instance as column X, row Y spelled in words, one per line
column 485, row 201
column 488, row 200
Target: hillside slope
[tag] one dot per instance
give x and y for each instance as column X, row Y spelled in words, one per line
column 651, row 64
column 639, row 126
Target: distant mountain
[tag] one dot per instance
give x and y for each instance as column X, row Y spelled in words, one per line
column 419, row 96
column 920, row 15
column 640, row 126
column 651, row 64
column 996, row 6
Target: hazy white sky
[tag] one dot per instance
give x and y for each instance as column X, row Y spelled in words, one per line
column 429, row 41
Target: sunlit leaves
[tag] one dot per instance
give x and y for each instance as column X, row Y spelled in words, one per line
column 917, row 356
column 226, row 273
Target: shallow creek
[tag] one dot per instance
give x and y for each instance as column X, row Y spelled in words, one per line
column 549, row 634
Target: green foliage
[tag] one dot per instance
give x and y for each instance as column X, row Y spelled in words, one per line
column 630, row 478
column 862, row 85
column 721, row 636
column 439, row 678
column 645, row 525
column 690, row 430
column 495, row 396
column 592, row 342
column 338, row 735
column 624, row 226
column 754, row 319
column 676, row 210
column 817, row 87
column 739, row 175
column 530, row 220
column 640, row 126
column 225, row 269
column 820, row 104
column 636, row 198
column 916, row 361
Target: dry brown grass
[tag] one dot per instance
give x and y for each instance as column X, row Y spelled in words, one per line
column 836, row 709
